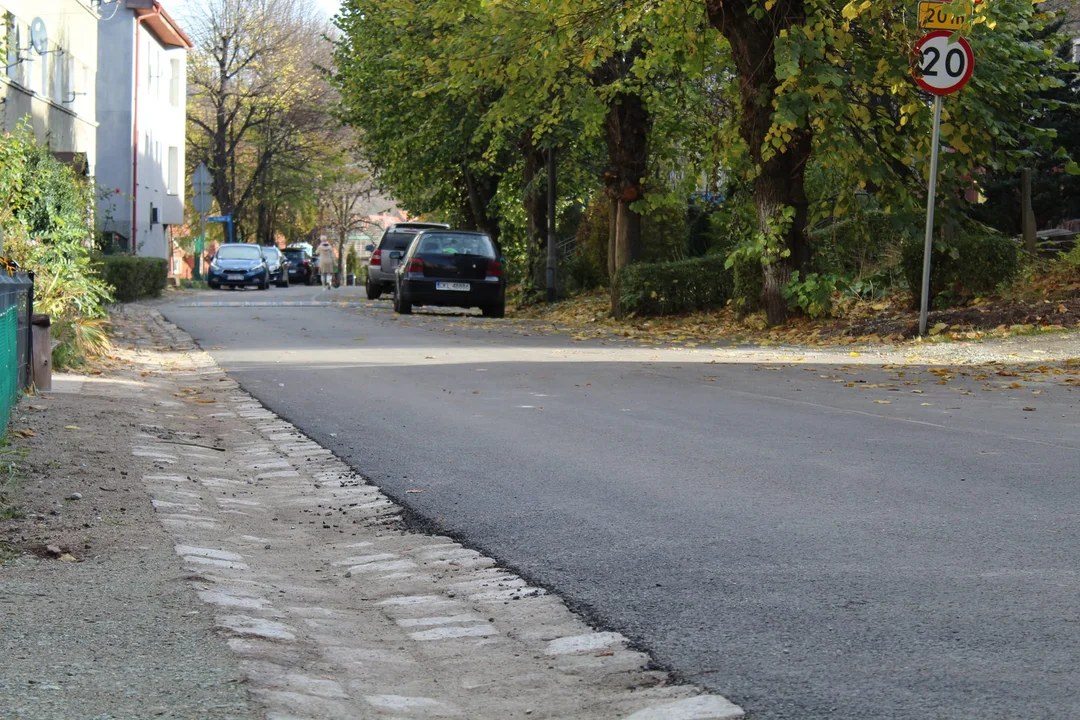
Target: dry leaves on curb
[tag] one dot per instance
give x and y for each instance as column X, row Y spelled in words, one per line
column 883, row 402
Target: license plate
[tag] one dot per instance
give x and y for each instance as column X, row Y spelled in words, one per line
column 234, row 277
column 453, row 286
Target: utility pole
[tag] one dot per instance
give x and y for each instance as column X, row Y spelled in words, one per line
column 552, row 250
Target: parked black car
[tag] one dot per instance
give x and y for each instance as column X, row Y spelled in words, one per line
column 301, row 266
column 278, row 263
column 238, row 265
column 452, row 268
column 382, row 266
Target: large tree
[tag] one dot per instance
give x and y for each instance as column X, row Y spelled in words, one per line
column 259, row 106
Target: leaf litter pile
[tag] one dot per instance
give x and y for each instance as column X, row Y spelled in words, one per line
column 860, row 323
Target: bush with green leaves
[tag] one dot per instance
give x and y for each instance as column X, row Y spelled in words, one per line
column 856, row 246
column 134, row 278
column 45, row 223
column 676, row 287
column 812, row 294
column 975, row 262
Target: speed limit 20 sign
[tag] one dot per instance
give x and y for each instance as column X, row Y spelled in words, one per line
column 944, row 64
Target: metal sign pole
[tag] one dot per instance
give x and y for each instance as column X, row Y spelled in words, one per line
column 200, row 246
column 930, row 193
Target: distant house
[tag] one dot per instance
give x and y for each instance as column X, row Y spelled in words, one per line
column 50, row 54
column 142, row 113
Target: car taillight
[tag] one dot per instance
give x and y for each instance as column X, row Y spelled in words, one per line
column 376, row 258
column 494, row 269
column 416, row 265
column 307, row 263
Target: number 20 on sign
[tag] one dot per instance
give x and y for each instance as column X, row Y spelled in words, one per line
column 944, row 65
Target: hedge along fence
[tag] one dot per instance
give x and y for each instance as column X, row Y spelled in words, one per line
column 134, row 277
column 676, row 287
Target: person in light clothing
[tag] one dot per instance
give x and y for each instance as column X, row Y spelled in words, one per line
column 326, row 264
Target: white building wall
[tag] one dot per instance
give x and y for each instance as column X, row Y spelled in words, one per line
column 54, row 91
column 154, row 131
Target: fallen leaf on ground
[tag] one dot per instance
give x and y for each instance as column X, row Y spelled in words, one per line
column 27, row 433
column 883, row 402
column 1029, row 409
column 413, row 492
column 205, row 401
column 855, row 354
column 72, row 427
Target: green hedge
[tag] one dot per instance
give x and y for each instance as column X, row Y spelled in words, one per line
column 856, row 245
column 675, row 287
column 975, row 262
column 134, row 277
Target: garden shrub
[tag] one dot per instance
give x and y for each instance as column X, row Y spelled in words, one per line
column 974, row 262
column 44, row 211
column 134, row 278
column 855, row 246
column 747, row 282
column 676, row 287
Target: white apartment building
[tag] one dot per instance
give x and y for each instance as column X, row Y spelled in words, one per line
column 142, row 113
column 50, row 54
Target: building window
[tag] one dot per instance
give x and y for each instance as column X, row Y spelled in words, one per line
column 174, row 170
column 174, row 83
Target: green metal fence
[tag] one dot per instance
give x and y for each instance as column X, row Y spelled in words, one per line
column 9, row 361
column 16, row 308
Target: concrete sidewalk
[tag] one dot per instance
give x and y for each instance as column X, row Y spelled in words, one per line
column 331, row 607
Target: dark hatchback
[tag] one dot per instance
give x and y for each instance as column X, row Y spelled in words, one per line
column 450, row 268
column 301, row 267
column 278, row 263
column 237, row 265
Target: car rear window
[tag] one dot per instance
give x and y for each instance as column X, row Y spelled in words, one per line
column 239, row 251
column 456, row 244
column 295, row 254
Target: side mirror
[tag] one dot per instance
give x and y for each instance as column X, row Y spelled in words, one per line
column 396, row 255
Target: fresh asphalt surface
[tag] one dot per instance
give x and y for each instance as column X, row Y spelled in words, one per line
column 763, row 529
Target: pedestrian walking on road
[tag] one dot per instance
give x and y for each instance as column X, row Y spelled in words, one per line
column 326, row 264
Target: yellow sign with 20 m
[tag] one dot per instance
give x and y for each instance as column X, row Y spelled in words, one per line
column 933, row 16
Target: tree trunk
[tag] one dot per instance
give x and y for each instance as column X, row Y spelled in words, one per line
column 480, row 192
column 627, row 128
column 613, row 224
column 779, row 183
column 535, row 214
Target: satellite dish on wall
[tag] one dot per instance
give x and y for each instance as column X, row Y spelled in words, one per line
column 39, row 36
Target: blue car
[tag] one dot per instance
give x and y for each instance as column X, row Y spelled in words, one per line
column 239, row 265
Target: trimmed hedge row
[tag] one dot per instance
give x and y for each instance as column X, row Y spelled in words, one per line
column 973, row 263
column 675, row 287
column 134, row 278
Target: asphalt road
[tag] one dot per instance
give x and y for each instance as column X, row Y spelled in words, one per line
column 811, row 540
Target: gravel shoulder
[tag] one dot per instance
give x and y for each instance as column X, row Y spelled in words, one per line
column 112, row 630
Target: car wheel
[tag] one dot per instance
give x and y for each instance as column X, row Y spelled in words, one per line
column 373, row 290
column 213, row 286
column 402, row 304
column 495, row 310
